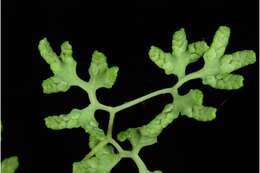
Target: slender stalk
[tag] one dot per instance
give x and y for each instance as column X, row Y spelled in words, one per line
column 126, row 154
column 110, row 124
column 189, row 77
column 96, row 148
column 82, row 84
column 140, row 164
column 100, row 106
column 116, row 145
column 141, row 99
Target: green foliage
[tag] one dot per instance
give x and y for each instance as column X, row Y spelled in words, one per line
column 136, row 138
column 9, row 165
column 100, row 74
column 63, row 67
column 191, row 106
column 182, row 54
column 162, row 120
column 104, row 160
column 75, row 119
column 218, row 67
column 105, row 151
column 196, row 50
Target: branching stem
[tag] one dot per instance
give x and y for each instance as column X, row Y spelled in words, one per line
column 113, row 110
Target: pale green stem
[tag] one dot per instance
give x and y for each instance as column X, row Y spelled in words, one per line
column 82, row 84
column 126, row 154
column 140, row 164
column 89, row 89
column 102, row 144
column 96, row 148
column 189, row 77
column 116, row 145
column 141, row 99
column 110, row 124
column 112, row 110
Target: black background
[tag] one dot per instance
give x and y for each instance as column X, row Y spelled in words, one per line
column 124, row 31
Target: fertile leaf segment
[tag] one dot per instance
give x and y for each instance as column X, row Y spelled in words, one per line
column 216, row 72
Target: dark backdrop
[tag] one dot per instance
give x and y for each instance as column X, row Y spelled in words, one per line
column 124, row 31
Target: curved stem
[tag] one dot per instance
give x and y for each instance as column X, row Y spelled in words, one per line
column 110, row 124
column 96, row 148
column 171, row 90
column 82, row 84
column 116, row 145
column 140, row 164
column 190, row 76
column 141, row 99
column 89, row 89
column 102, row 144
